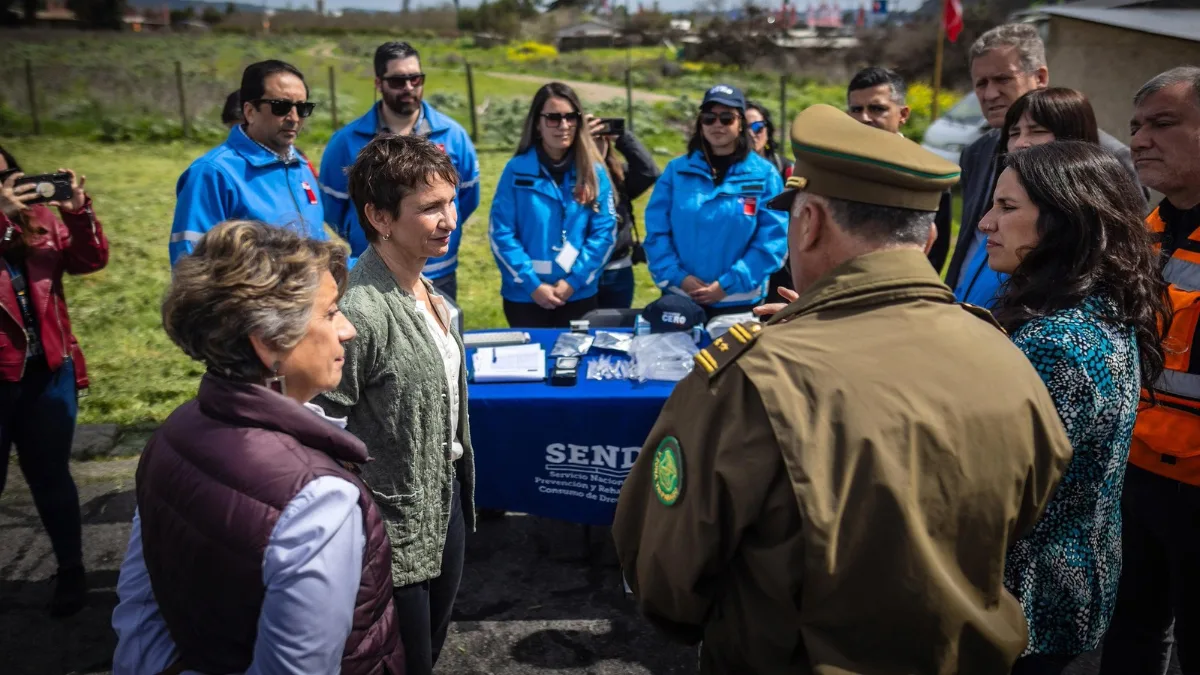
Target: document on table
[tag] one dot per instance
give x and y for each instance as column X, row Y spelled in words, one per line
column 517, row 363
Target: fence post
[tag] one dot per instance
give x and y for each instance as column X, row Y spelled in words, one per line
column 629, row 99
column 333, row 98
column 33, row 109
column 471, row 103
column 183, row 116
column 784, row 126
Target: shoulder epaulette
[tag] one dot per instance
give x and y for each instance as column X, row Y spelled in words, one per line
column 727, row 348
column 983, row 314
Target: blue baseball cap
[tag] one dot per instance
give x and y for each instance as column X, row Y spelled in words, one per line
column 725, row 94
column 672, row 313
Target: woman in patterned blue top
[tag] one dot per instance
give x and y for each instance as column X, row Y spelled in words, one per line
column 1083, row 303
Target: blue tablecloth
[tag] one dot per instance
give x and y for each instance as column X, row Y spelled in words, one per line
column 559, row 452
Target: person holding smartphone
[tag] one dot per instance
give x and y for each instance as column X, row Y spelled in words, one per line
column 41, row 365
column 630, row 179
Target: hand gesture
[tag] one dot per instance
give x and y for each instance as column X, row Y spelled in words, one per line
column 709, row 295
column 691, row 284
column 15, row 198
column 563, row 290
column 546, row 298
column 773, row 308
column 78, row 197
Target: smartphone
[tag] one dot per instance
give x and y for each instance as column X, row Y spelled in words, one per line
column 613, row 126
column 49, row 187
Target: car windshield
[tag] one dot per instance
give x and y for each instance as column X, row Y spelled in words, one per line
column 966, row 111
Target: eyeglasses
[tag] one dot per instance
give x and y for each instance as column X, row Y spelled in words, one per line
column 708, row 119
column 757, row 127
column 398, row 81
column 555, row 119
column 281, row 108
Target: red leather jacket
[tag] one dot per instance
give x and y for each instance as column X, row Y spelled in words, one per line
column 74, row 244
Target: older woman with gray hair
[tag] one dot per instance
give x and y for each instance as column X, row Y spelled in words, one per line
column 255, row 546
column 404, row 389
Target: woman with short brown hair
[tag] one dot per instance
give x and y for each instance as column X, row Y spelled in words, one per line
column 255, row 546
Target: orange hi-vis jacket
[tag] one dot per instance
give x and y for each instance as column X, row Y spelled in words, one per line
column 1166, row 439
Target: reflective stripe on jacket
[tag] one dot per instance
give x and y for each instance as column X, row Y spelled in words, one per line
column 344, row 147
column 1166, row 439
column 714, row 232
column 540, row 234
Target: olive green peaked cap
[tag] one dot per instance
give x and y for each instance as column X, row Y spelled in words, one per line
column 841, row 158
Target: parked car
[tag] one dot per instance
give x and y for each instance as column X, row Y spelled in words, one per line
column 957, row 129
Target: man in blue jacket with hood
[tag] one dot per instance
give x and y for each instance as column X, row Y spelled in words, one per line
column 402, row 111
column 257, row 173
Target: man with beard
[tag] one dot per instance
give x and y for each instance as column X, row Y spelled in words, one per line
column 256, row 174
column 402, row 111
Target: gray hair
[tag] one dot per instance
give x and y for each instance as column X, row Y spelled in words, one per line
column 1172, row 77
column 246, row 278
column 1021, row 36
column 875, row 223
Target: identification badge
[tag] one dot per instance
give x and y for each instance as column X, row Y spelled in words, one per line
column 750, row 206
column 308, row 191
column 566, row 257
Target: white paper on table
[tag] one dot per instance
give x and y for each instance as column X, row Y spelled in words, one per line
column 514, row 363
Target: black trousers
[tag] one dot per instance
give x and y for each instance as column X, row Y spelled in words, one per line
column 37, row 415
column 423, row 609
column 1160, row 578
column 530, row 315
column 447, row 285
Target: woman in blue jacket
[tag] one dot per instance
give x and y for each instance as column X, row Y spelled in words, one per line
column 709, row 235
column 553, row 220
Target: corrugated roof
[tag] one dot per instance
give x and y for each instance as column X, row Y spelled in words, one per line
column 1177, row 23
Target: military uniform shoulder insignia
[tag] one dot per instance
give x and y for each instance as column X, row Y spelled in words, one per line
column 983, row 314
column 668, row 471
column 725, row 349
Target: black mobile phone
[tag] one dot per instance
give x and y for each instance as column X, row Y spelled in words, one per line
column 48, row 187
column 613, row 126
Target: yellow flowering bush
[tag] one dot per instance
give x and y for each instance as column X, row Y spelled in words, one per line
column 920, row 100
column 529, row 50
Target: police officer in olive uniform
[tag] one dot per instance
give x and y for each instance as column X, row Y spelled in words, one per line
column 834, row 492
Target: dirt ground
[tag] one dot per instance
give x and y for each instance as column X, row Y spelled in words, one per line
column 537, row 596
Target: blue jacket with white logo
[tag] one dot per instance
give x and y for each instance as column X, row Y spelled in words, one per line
column 241, row 179
column 540, row 234
column 344, row 147
column 714, row 232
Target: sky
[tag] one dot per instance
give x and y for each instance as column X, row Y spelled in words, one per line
column 666, row 5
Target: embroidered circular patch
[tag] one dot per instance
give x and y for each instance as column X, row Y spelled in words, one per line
column 668, row 471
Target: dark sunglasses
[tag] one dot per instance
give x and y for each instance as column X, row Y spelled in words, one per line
column 709, row 119
column 756, row 127
column 281, row 108
column 398, row 81
column 555, row 119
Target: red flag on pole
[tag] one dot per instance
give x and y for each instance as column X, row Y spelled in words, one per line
column 954, row 18
column 862, row 16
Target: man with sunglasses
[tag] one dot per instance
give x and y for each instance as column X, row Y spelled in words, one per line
column 257, row 173
column 401, row 110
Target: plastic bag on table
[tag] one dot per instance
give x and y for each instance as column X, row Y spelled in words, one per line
column 662, row 356
column 613, row 342
column 608, row 367
column 572, row 344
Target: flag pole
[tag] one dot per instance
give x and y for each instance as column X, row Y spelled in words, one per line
column 937, row 61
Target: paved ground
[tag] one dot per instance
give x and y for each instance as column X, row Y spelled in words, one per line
column 535, row 598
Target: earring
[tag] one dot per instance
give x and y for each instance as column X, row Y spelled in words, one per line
column 276, row 382
column 386, row 237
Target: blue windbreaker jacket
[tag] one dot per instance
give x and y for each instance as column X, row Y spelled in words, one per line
column 344, row 147
column 241, row 179
column 714, row 232
column 540, row 234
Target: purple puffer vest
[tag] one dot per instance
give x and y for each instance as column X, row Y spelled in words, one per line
column 211, row 484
